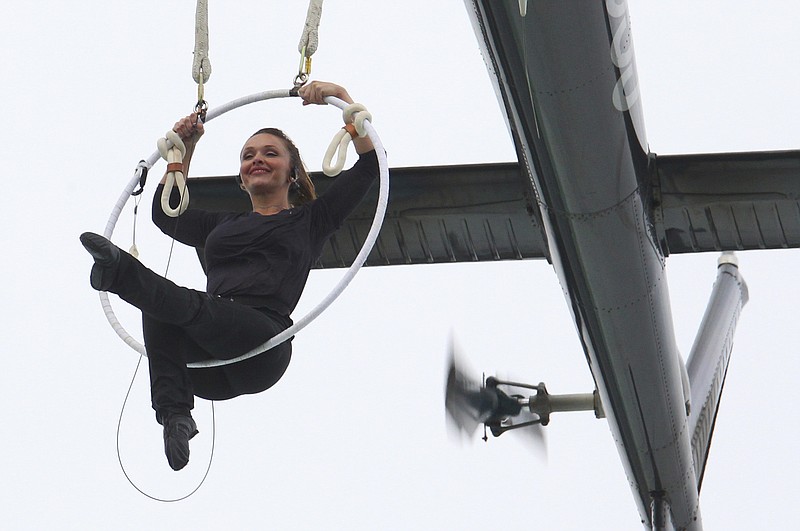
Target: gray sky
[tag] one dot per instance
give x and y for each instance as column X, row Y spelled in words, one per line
column 354, row 436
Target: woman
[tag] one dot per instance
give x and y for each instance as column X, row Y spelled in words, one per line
column 257, row 265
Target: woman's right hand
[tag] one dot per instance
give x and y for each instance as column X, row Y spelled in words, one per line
column 190, row 129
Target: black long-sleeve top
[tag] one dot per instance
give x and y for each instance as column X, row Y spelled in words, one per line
column 268, row 258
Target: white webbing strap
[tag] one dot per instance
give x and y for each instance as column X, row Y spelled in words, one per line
column 172, row 149
column 310, row 38
column 201, row 67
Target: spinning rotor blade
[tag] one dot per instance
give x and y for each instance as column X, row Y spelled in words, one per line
column 470, row 403
column 535, row 434
column 463, row 400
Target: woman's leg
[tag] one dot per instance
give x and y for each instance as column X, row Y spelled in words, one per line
column 168, row 349
column 173, row 385
column 223, row 328
column 183, row 325
column 155, row 295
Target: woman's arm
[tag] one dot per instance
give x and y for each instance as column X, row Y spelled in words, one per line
column 344, row 194
column 190, row 228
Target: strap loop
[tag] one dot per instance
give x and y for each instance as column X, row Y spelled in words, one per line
column 341, row 140
column 354, row 116
column 172, row 149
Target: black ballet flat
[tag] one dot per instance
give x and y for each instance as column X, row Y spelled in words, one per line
column 178, row 430
column 106, row 259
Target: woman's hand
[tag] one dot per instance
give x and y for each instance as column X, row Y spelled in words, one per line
column 190, row 129
column 316, row 92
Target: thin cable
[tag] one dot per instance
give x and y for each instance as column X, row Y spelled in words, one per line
column 130, row 387
column 119, row 454
column 134, row 250
column 175, row 230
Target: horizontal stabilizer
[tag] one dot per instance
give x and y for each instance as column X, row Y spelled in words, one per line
column 728, row 201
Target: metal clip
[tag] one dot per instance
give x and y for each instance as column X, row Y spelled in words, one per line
column 141, row 169
column 303, row 71
column 201, row 108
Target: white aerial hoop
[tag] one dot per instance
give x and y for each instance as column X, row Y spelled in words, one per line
column 369, row 242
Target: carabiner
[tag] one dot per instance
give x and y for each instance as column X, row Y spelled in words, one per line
column 201, row 108
column 303, row 71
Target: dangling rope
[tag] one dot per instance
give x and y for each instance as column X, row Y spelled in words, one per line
column 309, row 41
column 369, row 242
column 310, row 38
column 201, row 67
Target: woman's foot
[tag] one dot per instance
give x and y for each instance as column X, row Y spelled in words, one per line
column 106, row 259
column 178, row 430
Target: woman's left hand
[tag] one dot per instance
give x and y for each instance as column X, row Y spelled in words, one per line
column 316, row 92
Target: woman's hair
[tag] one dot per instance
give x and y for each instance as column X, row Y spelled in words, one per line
column 302, row 191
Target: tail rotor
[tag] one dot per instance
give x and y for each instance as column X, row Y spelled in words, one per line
column 500, row 405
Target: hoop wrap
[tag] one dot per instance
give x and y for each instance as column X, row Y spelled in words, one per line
column 369, row 242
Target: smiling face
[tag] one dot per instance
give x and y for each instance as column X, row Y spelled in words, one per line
column 265, row 164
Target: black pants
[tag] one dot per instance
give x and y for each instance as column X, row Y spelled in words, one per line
column 182, row 325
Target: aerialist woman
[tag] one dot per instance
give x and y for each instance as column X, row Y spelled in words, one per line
column 257, row 266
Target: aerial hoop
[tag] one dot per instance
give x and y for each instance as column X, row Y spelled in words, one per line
column 369, row 242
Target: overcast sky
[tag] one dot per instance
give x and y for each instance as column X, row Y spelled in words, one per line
column 354, row 436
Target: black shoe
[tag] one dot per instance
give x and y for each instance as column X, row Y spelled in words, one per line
column 106, row 259
column 178, row 430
